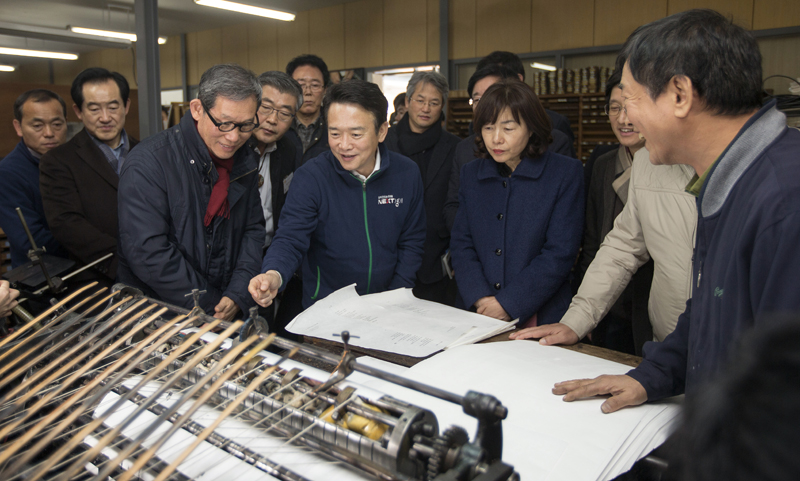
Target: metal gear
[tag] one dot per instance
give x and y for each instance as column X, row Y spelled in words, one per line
column 452, row 437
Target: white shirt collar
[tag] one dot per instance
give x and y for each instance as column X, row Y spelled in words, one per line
column 377, row 167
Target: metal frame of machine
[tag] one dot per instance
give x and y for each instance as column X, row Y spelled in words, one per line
column 98, row 357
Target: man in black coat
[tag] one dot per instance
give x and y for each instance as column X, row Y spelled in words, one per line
column 420, row 137
column 190, row 214
column 309, row 130
column 78, row 180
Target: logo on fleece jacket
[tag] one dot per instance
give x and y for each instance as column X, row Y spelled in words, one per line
column 389, row 199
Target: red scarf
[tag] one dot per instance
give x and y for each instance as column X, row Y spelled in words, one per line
column 218, row 203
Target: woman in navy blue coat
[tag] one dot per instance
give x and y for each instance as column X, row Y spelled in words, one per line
column 520, row 216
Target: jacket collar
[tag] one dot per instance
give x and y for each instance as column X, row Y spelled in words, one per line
column 530, row 168
column 26, row 152
column 753, row 139
column 385, row 161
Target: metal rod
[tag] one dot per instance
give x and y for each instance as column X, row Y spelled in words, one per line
column 70, row 353
column 27, row 230
column 210, row 391
column 231, row 447
column 78, row 271
column 63, row 342
column 157, row 338
column 252, row 386
column 77, row 464
column 41, row 316
column 55, row 321
column 83, row 354
column 417, row 386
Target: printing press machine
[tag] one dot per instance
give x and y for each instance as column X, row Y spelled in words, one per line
column 121, row 386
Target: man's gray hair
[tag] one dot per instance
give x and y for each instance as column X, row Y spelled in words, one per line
column 284, row 84
column 231, row 81
column 429, row 77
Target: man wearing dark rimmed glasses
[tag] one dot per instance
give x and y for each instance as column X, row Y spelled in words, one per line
column 309, row 128
column 189, row 209
column 278, row 156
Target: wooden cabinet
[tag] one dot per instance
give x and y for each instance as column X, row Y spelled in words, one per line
column 587, row 118
column 458, row 114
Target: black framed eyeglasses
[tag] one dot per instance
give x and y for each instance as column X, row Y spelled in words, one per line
column 283, row 116
column 244, row 127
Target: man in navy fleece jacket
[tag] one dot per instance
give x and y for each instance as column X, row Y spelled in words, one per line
column 354, row 214
column 692, row 84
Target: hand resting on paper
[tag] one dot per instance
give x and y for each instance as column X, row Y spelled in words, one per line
column 264, row 287
column 548, row 334
column 624, row 390
column 488, row 306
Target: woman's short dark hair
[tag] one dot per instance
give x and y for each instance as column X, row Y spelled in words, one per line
column 359, row 92
column 721, row 59
column 526, row 110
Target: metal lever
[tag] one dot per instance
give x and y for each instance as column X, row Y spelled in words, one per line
column 35, row 255
column 196, row 310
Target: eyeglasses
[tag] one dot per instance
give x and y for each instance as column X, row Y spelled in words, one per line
column 244, row 127
column 474, row 102
column 431, row 103
column 283, row 116
column 313, row 86
column 614, row 110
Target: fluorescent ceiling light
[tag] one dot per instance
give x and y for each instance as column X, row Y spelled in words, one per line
column 7, row 68
column 543, row 66
column 37, row 53
column 248, row 9
column 393, row 71
column 131, row 37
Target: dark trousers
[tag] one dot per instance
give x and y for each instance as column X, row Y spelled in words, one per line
column 443, row 291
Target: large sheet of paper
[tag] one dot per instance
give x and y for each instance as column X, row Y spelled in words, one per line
column 394, row 321
column 544, row 438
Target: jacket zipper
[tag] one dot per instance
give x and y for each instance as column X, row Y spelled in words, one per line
column 243, row 175
column 699, row 273
column 366, row 229
column 316, row 292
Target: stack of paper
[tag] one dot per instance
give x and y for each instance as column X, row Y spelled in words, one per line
column 544, row 437
column 394, row 321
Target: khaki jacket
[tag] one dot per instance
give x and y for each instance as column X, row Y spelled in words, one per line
column 658, row 222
